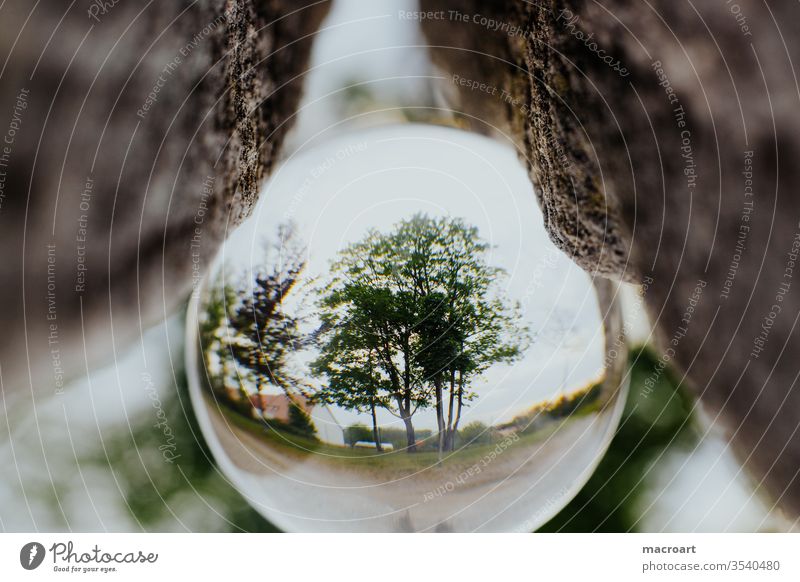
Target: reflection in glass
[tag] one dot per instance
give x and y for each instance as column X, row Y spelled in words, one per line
column 391, row 343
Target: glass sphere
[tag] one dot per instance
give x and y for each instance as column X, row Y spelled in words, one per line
column 392, row 343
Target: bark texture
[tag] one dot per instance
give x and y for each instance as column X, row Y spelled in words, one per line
column 145, row 134
column 642, row 162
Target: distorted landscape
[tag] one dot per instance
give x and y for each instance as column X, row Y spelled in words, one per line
column 382, row 357
column 386, row 345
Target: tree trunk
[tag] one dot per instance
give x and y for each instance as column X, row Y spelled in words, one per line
column 405, row 415
column 450, row 433
column 375, row 434
column 458, row 410
column 411, row 438
column 439, row 414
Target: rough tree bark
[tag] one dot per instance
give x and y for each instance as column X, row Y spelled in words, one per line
column 144, row 135
column 638, row 163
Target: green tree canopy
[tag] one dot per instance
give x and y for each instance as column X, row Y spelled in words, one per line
column 410, row 319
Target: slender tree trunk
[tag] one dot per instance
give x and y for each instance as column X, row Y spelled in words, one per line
column 439, row 413
column 402, row 396
column 405, row 415
column 410, row 436
column 450, row 435
column 404, row 404
column 458, row 409
column 375, row 434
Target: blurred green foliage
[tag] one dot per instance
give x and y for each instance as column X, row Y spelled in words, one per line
column 187, row 493
column 652, row 422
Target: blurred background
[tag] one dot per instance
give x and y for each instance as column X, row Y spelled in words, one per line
column 93, row 457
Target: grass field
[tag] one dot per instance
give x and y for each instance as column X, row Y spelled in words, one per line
column 396, row 462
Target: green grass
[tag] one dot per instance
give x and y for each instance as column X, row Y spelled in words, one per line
column 398, row 462
column 553, row 413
